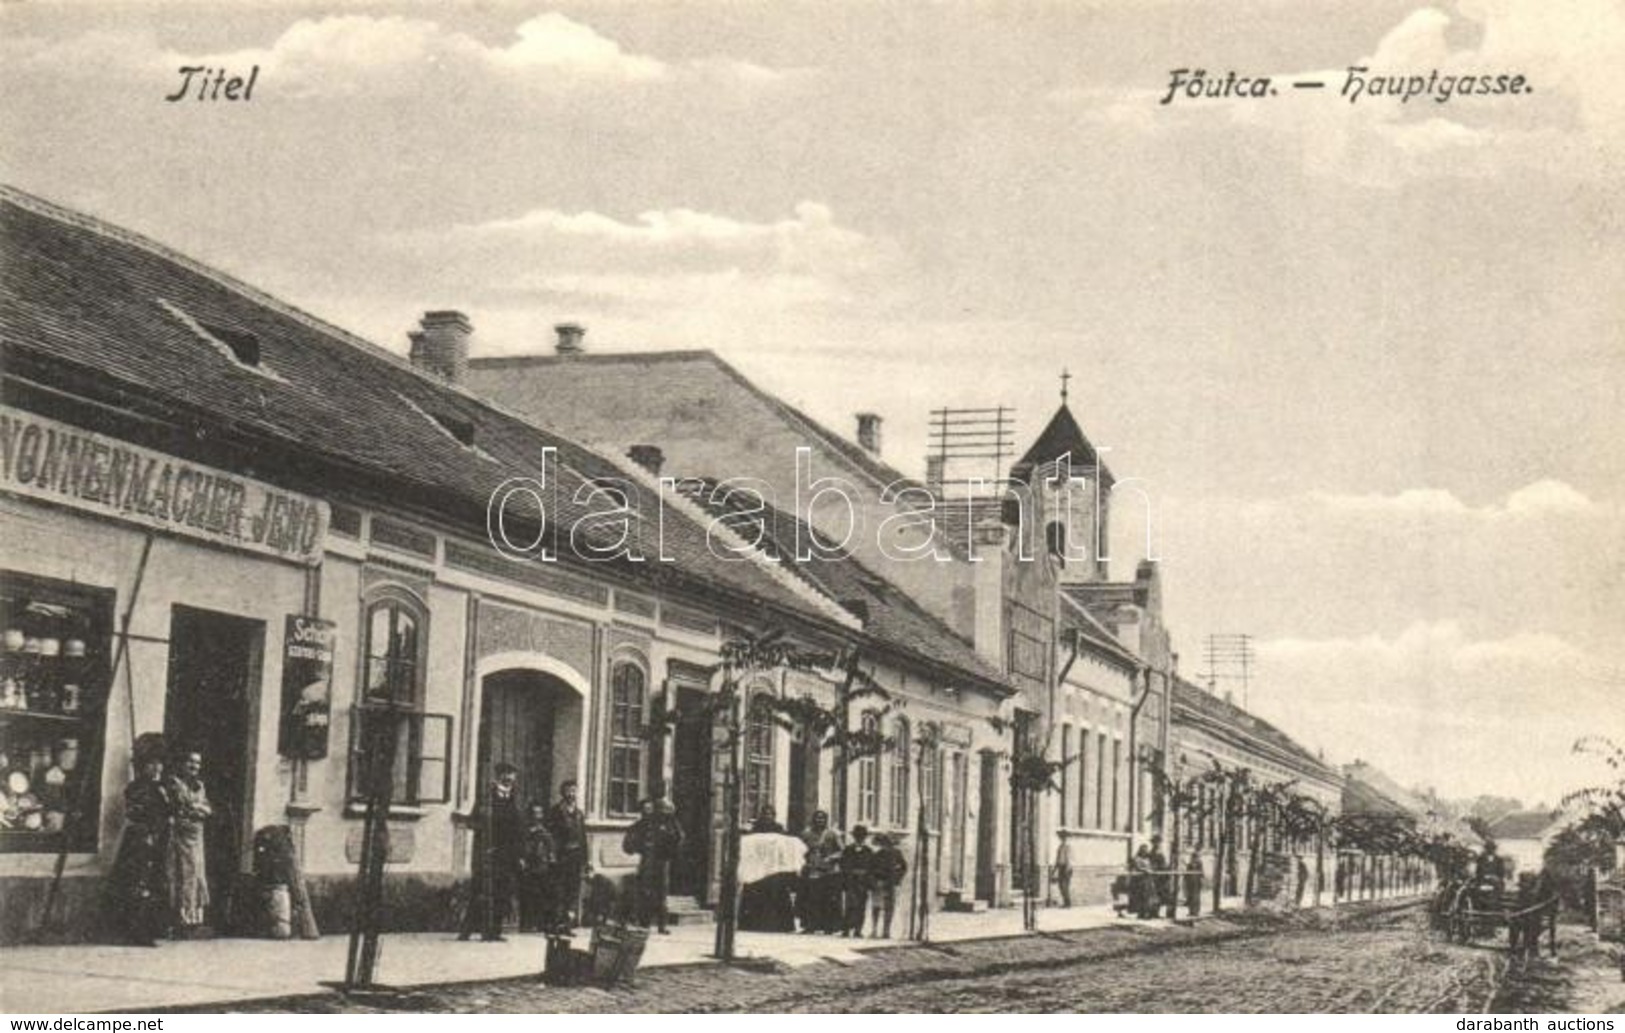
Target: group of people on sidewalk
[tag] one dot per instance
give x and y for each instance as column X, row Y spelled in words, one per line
column 1154, row 883
column 841, row 885
column 538, row 855
column 160, row 884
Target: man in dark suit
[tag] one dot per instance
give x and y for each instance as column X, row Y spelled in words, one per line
column 569, row 828
column 499, row 844
column 656, row 840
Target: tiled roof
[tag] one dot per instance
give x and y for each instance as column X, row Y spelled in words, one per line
column 1073, row 615
column 887, row 613
column 1208, row 713
column 1367, row 790
column 82, row 301
column 593, row 379
column 1524, row 824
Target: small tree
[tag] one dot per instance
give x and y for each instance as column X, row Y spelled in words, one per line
column 1233, row 789
column 743, row 656
column 927, row 738
column 1184, row 800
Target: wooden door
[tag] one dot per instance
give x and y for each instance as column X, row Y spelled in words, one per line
column 692, row 791
column 209, row 706
column 516, row 727
column 987, row 829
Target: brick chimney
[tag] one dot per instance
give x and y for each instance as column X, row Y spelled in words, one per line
column 869, row 432
column 441, row 345
column 569, row 341
column 650, row 457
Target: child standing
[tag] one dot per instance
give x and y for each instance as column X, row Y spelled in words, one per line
column 536, row 872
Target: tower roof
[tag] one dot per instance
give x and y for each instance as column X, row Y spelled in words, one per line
column 1062, row 437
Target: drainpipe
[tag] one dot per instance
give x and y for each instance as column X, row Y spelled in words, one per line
column 1134, row 761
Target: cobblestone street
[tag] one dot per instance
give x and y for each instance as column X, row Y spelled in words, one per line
column 1381, row 959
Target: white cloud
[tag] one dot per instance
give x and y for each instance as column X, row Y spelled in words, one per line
column 677, row 276
column 1544, row 497
column 552, row 41
column 1433, row 705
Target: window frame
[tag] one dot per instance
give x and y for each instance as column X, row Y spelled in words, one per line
column 901, row 770
column 626, row 747
column 758, row 780
column 404, row 697
column 868, row 810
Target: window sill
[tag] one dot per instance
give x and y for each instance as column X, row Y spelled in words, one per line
column 397, row 811
column 1073, row 833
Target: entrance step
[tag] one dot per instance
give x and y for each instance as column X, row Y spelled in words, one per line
column 684, row 911
column 957, row 903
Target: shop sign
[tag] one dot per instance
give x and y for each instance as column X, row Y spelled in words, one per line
column 43, row 459
column 307, row 687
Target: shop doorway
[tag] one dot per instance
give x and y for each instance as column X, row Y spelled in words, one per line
column 804, row 758
column 531, row 720
column 691, row 791
column 987, row 829
column 210, row 708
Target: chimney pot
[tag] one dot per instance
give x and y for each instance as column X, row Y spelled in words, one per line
column 650, row 457
column 869, row 432
column 569, row 338
column 441, row 345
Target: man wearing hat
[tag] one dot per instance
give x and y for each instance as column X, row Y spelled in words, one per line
column 499, row 846
column 857, row 876
column 139, row 892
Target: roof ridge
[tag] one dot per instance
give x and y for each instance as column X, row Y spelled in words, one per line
column 751, row 552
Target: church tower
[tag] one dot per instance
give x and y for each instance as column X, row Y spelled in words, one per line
column 1075, row 486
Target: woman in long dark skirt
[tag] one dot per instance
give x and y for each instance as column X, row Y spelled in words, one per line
column 140, row 897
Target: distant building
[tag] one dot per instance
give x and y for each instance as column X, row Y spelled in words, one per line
column 1523, row 836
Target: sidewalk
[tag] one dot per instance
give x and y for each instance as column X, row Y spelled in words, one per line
column 89, row 978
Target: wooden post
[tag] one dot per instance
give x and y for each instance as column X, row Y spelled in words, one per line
column 728, row 904
column 379, row 730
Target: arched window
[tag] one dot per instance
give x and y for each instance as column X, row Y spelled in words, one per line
column 1055, row 539
column 394, row 661
column 395, row 641
column 869, row 775
column 759, row 729
column 900, row 817
column 628, row 697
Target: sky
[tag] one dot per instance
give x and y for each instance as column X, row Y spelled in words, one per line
column 1365, row 359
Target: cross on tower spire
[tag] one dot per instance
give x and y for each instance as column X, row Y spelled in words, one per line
column 1065, row 376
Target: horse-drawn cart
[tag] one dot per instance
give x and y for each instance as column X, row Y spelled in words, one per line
column 1477, row 909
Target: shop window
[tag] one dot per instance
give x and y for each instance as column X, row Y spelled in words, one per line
column 390, row 717
column 53, row 692
column 899, row 776
column 869, row 776
column 759, row 728
column 628, row 698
